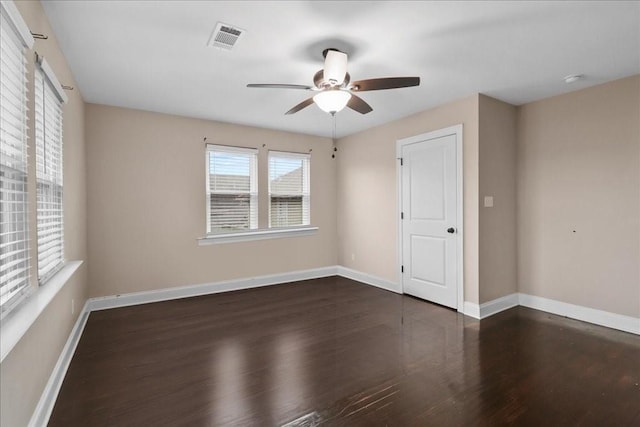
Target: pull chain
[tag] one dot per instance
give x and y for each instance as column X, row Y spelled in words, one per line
column 333, row 155
column 334, row 127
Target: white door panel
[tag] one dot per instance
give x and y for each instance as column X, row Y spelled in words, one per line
column 429, row 207
column 427, row 197
column 428, row 259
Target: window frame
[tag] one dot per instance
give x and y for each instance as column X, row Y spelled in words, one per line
column 253, row 184
column 255, row 234
column 19, row 37
column 306, row 186
column 51, row 94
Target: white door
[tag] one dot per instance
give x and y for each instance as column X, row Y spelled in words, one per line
column 429, row 218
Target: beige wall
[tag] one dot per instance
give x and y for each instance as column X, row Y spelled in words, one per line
column 146, row 201
column 578, row 197
column 25, row 371
column 367, row 192
column 497, row 163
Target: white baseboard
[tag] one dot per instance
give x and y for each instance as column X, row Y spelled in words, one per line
column 41, row 414
column 135, row 298
column 497, row 305
column 489, row 308
column 471, row 309
column 144, row 297
column 585, row 314
column 368, row 279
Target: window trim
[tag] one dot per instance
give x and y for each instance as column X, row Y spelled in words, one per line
column 17, row 323
column 229, row 149
column 260, row 234
column 44, row 73
column 52, row 79
column 306, row 178
column 18, row 29
column 18, row 24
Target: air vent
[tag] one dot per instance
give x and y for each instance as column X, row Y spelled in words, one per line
column 225, row 36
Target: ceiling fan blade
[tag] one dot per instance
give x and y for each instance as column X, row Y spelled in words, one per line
column 385, row 83
column 303, row 104
column 358, row 104
column 335, row 66
column 279, row 86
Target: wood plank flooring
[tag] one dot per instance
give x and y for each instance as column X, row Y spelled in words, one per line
column 336, row 352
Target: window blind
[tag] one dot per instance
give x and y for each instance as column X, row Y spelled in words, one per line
column 49, row 182
column 232, row 191
column 288, row 189
column 14, row 221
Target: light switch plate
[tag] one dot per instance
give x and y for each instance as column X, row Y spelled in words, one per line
column 488, row 201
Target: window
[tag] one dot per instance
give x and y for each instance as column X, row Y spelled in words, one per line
column 232, row 190
column 49, row 186
column 232, row 195
column 14, row 233
column 288, row 189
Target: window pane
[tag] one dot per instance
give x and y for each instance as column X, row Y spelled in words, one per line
column 231, row 189
column 49, row 179
column 288, row 189
column 286, row 211
column 14, row 238
column 230, row 172
column 230, row 212
column 285, row 175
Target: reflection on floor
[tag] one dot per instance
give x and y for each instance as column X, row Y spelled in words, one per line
column 336, row 352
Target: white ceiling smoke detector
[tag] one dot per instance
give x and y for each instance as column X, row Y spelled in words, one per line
column 225, row 36
column 573, row 78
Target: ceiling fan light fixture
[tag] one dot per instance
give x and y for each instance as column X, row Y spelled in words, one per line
column 335, row 67
column 332, row 101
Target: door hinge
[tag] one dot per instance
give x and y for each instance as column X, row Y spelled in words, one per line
column 402, row 269
column 401, row 161
column 401, row 215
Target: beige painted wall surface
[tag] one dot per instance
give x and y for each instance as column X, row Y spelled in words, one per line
column 579, row 197
column 497, row 130
column 146, row 201
column 367, row 192
column 26, row 370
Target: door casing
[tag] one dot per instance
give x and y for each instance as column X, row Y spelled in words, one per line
column 452, row 130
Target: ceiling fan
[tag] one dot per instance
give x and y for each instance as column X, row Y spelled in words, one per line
column 335, row 89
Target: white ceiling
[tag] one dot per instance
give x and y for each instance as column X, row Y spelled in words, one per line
column 153, row 55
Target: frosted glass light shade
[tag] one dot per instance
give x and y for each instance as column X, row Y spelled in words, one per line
column 332, row 101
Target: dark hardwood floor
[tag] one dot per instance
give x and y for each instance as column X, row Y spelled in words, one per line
column 335, row 352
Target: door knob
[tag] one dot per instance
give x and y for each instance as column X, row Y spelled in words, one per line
column 451, row 230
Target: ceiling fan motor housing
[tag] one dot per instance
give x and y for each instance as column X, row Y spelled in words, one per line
column 321, row 83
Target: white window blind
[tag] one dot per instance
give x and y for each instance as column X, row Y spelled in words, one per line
column 232, row 190
column 14, row 236
column 49, row 184
column 288, row 189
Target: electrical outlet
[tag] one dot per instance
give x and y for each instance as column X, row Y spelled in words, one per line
column 353, row 257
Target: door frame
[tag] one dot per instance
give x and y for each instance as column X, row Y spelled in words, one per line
column 452, row 130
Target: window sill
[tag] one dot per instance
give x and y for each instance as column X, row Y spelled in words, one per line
column 17, row 323
column 215, row 239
